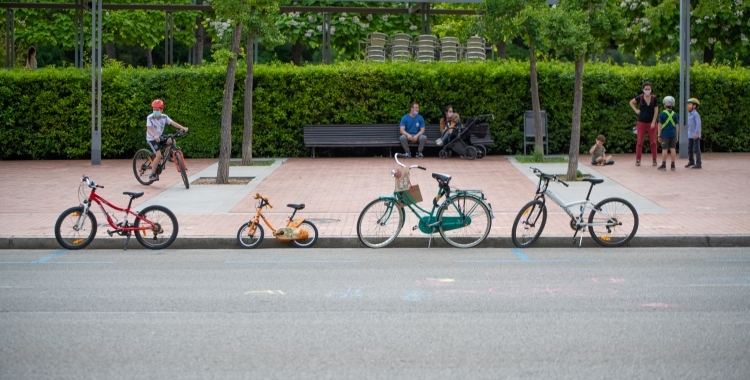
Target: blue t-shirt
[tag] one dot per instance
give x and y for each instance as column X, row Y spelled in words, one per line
column 668, row 126
column 412, row 125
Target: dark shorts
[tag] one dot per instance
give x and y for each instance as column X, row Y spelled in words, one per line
column 668, row 142
column 156, row 146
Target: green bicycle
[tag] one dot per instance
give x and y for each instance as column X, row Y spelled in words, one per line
column 463, row 219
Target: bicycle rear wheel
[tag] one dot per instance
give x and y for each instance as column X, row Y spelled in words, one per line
column 615, row 222
column 464, row 221
column 181, row 166
column 529, row 224
column 143, row 162
column 65, row 229
column 312, row 235
column 165, row 228
column 377, row 225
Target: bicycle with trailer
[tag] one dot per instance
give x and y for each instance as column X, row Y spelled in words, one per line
column 611, row 223
column 301, row 232
column 460, row 141
column 143, row 161
column 155, row 227
column 463, row 219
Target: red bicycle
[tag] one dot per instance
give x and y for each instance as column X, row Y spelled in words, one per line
column 155, row 227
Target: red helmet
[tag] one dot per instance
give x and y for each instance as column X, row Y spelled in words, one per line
column 157, row 104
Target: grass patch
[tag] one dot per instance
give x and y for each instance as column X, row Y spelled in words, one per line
column 534, row 159
column 579, row 176
column 263, row 162
column 232, row 181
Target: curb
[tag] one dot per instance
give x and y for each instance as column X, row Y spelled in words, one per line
column 223, row 242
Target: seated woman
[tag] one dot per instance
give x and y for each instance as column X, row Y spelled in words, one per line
column 450, row 124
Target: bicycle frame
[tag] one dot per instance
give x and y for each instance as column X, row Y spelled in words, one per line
column 291, row 222
column 171, row 151
column 121, row 227
column 586, row 204
column 428, row 220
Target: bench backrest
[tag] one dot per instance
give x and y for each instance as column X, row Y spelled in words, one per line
column 528, row 124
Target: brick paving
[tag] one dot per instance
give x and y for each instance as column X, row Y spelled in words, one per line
column 711, row 201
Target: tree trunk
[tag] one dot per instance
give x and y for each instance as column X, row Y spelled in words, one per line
column 535, row 103
column 297, row 53
column 149, row 58
column 501, row 47
column 708, row 54
column 225, row 150
column 111, row 51
column 247, row 132
column 198, row 53
column 575, row 133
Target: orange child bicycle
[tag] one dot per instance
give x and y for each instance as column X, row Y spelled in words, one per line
column 302, row 233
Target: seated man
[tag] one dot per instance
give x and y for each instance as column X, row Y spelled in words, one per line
column 412, row 130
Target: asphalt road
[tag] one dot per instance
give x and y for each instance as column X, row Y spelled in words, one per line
column 376, row 314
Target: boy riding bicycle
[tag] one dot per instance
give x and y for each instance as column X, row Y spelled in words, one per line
column 155, row 123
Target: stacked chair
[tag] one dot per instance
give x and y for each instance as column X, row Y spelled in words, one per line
column 449, row 49
column 375, row 51
column 476, row 49
column 401, row 48
column 426, row 44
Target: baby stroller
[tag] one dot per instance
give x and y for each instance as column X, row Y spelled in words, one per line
column 460, row 141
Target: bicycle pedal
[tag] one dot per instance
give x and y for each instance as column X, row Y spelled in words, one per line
column 415, row 228
column 110, row 233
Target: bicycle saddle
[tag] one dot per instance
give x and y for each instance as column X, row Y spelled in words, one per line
column 296, row 207
column 441, row 177
column 594, row 180
column 134, row 195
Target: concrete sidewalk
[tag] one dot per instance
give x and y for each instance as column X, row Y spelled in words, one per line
column 707, row 207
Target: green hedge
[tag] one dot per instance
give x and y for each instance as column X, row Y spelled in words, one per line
column 46, row 113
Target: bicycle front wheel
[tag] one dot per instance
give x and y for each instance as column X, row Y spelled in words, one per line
column 248, row 239
column 529, row 224
column 142, row 164
column 613, row 222
column 181, row 166
column 69, row 235
column 163, row 232
column 464, row 221
column 380, row 222
column 312, row 235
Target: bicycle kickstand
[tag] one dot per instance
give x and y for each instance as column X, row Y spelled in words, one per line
column 580, row 240
column 127, row 240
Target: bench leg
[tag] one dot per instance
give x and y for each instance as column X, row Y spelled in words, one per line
column 389, row 152
column 313, row 152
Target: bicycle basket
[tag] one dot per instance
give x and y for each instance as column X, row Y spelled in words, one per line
column 409, row 197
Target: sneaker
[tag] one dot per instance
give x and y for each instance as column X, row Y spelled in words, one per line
column 663, row 166
column 153, row 177
column 638, row 163
column 689, row 165
column 673, row 168
column 407, row 155
column 697, row 167
column 653, row 163
column 420, row 155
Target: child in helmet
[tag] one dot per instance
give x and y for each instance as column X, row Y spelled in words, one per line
column 669, row 129
column 694, row 134
column 155, row 123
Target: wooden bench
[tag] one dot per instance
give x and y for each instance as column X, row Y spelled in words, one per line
column 372, row 135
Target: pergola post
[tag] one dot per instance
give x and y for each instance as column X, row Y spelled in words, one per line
column 169, row 39
column 10, row 38
column 684, row 74
column 96, row 82
column 326, row 48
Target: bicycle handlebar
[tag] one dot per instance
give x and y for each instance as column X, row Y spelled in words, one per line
column 417, row 167
column 258, row 196
column 179, row 133
column 91, row 183
column 548, row 176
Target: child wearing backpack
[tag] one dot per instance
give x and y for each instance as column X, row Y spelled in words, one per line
column 669, row 129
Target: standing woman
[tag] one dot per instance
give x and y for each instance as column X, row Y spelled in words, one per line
column 647, row 112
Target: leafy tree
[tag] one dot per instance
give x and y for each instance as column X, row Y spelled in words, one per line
column 654, row 26
column 256, row 16
column 508, row 19
column 581, row 27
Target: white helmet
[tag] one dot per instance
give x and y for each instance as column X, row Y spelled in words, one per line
column 668, row 101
